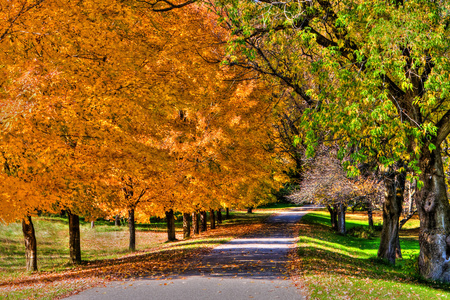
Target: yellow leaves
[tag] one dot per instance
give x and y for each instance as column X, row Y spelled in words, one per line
column 102, row 101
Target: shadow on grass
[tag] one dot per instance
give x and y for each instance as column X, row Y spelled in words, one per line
column 323, row 251
column 155, row 263
column 7, row 241
column 174, row 258
column 324, row 220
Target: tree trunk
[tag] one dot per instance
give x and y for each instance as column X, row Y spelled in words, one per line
column 170, row 226
column 92, row 224
column 370, row 217
column 333, row 216
column 392, row 209
column 219, row 216
column 132, row 229
column 398, row 250
column 434, row 213
column 30, row 244
column 227, row 213
column 74, row 238
column 195, row 223
column 186, row 226
column 250, row 210
column 412, row 190
column 203, row 221
column 117, row 220
column 341, row 218
column 212, row 219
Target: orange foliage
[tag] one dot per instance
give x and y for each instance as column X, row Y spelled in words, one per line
column 96, row 95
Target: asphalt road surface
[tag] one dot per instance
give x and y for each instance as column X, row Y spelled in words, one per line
column 251, row 267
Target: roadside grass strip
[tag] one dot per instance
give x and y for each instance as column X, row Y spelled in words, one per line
column 332, row 266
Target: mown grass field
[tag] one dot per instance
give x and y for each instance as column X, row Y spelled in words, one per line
column 104, row 252
column 332, row 266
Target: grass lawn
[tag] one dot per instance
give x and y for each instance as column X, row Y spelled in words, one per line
column 331, row 266
column 104, row 252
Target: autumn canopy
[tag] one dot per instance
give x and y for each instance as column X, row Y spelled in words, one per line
column 140, row 108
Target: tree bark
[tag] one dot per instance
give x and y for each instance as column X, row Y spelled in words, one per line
column 250, row 210
column 195, row 223
column 212, row 219
column 392, row 208
column 132, row 229
column 341, row 218
column 74, row 238
column 186, row 226
column 333, row 216
column 398, row 250
column 30, row 244
column 203, row 221
column 227, row 213
column 92, row 224
column 434, row 213
column 117, row 220
column 219, row 216
column 370, row 217
column 170, row 226
column 411, row 192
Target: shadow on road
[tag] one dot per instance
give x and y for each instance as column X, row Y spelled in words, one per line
column 253, row 266
column 261, row 255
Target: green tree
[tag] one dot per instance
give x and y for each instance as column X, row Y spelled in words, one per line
column 373, row 73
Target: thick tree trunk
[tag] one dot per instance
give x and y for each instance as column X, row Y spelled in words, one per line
column 195, row 223
column 132, row 229
column 434, row 213
column 333, row 216
column 392, row 208
column 30, row 244
column 212, row 219
column 227, row 213
column 219, row 216
column 250, row 210
column 186, row 226
column 203, row 221
column 170, row 225
column 74, row 238
column 341, row 218
column 92, row 224
column 370, row 217
column 117, row 220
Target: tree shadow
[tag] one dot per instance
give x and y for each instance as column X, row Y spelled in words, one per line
column 322, row 251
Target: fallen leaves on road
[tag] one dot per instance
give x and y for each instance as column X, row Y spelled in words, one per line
column 161, row 262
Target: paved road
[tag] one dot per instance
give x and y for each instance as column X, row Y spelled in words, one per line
column 252, row 267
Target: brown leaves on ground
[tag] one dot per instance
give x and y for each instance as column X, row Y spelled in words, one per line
column 165, row 260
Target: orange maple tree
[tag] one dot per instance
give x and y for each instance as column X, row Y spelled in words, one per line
column 109, row 107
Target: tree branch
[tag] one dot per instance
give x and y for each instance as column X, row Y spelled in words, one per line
column 167, row 5
column 443, row 128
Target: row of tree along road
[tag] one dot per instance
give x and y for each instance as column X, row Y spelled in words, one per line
column 147, row 108
column 114, row 108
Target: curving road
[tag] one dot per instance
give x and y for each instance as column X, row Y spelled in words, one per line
column 252, row 267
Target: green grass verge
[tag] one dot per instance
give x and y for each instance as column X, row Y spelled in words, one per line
column 344, row 267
